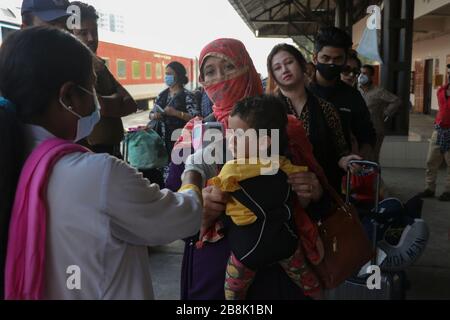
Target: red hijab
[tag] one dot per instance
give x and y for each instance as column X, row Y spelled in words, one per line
column 225, row 94
column 244, row 83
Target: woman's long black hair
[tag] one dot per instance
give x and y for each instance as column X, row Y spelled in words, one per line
column 34, row 64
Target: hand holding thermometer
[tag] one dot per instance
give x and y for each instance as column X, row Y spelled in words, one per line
column 198, row 134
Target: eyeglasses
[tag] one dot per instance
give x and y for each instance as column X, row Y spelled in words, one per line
column 347, row 70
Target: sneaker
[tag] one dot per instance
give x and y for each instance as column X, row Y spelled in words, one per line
column 445, row 197
column 426, row 194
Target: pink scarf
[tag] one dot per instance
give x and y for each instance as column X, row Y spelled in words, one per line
column 25, row 261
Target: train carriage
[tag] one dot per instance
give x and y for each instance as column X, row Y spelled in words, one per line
column 141, row 71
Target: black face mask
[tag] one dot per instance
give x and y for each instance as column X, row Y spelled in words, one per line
column 329, row 71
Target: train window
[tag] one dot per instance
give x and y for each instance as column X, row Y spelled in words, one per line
column 148, row 70
column 158, row 71
column 121, row 69
column 136, row 69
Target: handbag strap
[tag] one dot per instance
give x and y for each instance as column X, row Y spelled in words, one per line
column 336, row 197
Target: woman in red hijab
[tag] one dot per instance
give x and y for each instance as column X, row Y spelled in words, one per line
column 228, row 76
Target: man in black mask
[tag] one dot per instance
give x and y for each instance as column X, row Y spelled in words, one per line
column 331, row 52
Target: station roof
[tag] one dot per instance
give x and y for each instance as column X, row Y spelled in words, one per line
column 296, row 19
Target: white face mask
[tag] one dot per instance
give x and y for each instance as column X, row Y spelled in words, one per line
column 85, row 124
column 363, row 80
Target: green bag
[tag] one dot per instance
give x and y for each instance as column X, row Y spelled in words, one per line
column 144, row 149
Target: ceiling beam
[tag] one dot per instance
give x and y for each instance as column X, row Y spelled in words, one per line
column 320, row 5
column 269, row 10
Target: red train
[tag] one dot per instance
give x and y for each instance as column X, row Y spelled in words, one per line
column 140, row 71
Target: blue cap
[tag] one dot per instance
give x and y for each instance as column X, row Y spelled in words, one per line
column 46, row 10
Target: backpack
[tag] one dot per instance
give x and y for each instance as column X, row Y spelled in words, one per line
column 144, row 149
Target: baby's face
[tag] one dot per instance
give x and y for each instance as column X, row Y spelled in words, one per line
column 243, row 143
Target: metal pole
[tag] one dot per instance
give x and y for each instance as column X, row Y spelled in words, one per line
column 349, row 17
column 398, row 20
column 386, row 79
column 404, row 76
column 340, row 14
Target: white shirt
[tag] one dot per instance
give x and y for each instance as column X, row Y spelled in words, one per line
column 101, row 216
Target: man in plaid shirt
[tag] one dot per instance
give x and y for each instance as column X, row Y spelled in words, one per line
column 439, row 146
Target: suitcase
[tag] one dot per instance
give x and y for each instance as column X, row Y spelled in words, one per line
column 393, row 285
column 392, row 288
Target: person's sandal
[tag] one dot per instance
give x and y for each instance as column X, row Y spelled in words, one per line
column 445, row 197
column 426, row 194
